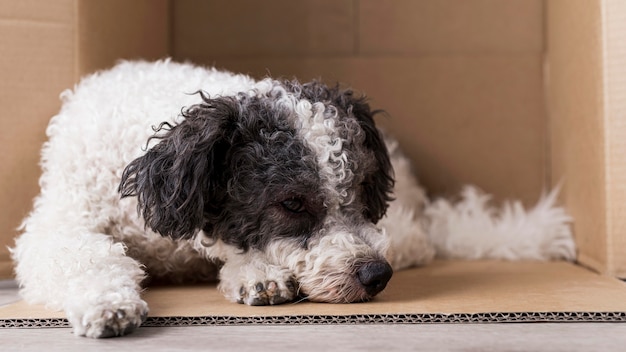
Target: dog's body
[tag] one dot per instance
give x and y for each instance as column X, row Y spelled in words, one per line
column 179, row 173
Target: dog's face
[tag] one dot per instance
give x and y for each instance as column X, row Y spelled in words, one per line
column 299, row 172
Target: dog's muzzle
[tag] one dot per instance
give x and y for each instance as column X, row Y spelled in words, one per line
column 373, row 276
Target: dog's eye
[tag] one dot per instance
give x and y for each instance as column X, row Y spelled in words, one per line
column 294, row 205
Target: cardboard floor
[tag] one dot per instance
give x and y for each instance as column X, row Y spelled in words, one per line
column 446, row 291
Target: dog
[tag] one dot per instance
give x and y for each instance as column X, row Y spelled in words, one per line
column 164, row 171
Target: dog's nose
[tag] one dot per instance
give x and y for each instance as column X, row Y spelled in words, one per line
column 374, row 276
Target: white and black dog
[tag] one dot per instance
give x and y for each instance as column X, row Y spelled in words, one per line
column 169, row 171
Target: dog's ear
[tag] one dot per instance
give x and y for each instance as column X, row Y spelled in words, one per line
column 377, row 186
column 181, row 180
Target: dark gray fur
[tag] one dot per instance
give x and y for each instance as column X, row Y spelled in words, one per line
column 236, row 168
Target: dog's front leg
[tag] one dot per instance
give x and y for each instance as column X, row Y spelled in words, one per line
column 85, row 274
column 250, row 278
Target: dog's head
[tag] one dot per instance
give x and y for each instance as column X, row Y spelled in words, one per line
column 298, row 171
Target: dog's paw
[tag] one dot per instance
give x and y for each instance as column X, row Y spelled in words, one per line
column 109, row 320
column 257, row 284
column 267, row 292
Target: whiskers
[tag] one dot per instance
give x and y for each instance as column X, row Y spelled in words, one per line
column 300, row 299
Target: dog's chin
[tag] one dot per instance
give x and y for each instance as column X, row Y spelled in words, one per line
column 339, row 288
column 350, row 292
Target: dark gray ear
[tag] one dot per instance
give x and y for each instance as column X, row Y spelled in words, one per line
column 378, row 185
column 180, row 181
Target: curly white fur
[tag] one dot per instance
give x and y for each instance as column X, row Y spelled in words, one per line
column 473, row 229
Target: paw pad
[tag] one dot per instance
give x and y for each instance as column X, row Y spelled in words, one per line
column 118, row 323
column 268, row 293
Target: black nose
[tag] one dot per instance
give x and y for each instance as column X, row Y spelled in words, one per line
column 374, row 276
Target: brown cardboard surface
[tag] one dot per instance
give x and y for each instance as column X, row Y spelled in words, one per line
column 483, row 27
column 586, row 60
column 576, row 110
column 444, row 288
column 36, row 65
column 117, row 29
column 462, row 119
column 60, row 11
column 615, row 103
column 262, row 28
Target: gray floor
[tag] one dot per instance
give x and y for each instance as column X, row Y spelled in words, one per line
column 463, row 337
column 436, row 337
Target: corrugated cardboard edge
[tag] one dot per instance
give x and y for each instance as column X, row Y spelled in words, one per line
column 460, row 318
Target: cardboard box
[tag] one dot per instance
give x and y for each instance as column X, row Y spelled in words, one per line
column 514, row 96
